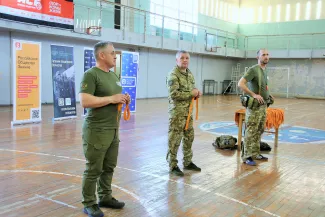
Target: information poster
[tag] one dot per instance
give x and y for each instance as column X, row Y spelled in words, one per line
column 130, row 65
column 26, row 82
column 63, row 75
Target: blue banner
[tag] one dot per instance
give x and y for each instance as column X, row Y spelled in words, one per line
column 130, row 65
column 89, row 62
column 63, row 75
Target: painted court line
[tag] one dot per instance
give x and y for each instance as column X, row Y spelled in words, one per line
column 11, row 205
column 208, row 191
column 149, row 174
column 61, row 189
column 18, row 207
column 61, row 193
column 128, row 192
column 64, row 174
column 142, row 202
column 55, row 201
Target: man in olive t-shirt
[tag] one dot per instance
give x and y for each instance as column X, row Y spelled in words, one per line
column 253, row 76
column 100, row 94
column 256, row 78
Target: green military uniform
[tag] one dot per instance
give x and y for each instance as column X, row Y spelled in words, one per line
column 256, row 116
column 180, row 86
column 100, row 136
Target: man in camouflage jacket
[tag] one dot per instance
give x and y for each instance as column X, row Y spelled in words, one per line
column 181, row 89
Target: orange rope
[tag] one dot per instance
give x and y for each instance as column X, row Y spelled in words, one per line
column 190, row 111
column 119, row 109
column 274, row 117
column 127, row 113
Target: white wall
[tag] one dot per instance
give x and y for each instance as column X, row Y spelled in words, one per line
column 153, row 68
column 306, row 76
column 155, row 65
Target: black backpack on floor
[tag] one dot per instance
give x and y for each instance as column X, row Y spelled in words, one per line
column 263, row 146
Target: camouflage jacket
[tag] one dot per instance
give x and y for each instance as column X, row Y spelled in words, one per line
column 180, row 86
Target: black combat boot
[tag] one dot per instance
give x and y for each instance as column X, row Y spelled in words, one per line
column 93, row 211
column 192, row 166
column 177, row 171
column 113, row 203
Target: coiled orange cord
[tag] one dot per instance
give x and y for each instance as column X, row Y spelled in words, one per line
column 190, row 111
column 126, row 114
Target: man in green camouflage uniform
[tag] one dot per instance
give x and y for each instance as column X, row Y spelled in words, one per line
column 100, row 93
column 181, row 89
column 256, row 115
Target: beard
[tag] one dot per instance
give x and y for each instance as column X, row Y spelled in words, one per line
column 265, row 62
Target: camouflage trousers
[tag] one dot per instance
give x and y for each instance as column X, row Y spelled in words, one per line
column 255, row 122
column 177, row 133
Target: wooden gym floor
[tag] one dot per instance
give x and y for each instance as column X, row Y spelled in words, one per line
column 42, row 165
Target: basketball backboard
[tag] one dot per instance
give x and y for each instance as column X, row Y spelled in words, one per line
column 211, row 43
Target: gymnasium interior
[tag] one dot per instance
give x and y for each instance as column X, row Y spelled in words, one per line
column 47, row 45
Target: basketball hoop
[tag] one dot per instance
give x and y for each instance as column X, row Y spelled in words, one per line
column 93, row 30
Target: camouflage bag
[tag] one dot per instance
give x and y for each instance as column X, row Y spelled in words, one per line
column 225, row 142
column 249, row 101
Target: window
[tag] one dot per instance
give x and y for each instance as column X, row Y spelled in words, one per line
column 288, row 12
column 221, row 10
column 269, row 13
column 207, row 7
column 156, row 7
column 169, row 8
column 319, row 9
column 189, row 8
column 225, row 11
column 278, row 13
column 235, row 14
column 260, row 14
column 246, row 15
column 229, row 12
column 216, row 9
column 297, row 11
column 307, row 11
column 180, row 9
column 202, row 6
column 170, row 12
column 211, row 7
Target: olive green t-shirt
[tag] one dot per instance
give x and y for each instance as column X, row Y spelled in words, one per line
column 100, row 83
column 252, row 78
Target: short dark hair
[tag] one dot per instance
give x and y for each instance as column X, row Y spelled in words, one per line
column 258, row 52
column 180, row 52
column 100, row 45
